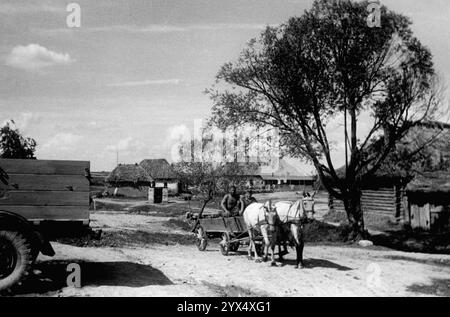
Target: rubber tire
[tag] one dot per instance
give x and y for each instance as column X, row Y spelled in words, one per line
column 23, row 262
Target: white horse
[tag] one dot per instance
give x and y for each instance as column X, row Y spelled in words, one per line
column 291, row 217
column 260, row 218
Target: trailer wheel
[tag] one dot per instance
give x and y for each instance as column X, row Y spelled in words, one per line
column 225, row 244
column 15, row 259
column 202, row 241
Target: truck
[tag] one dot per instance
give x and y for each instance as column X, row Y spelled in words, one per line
column 40, row 201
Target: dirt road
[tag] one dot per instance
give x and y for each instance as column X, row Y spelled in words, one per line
column 155, row 269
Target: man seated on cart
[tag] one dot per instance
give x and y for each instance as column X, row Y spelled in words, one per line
column 231, row 203
column 246, row 200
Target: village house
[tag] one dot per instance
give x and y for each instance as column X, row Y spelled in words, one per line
column 284, row 177
column 162, row 174
column 129, row 180
column 287, row 176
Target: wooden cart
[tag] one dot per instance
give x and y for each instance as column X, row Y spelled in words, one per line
column 231, row 230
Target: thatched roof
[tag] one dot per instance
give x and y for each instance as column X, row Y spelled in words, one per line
column 129, row 173
column 242, row 169
column 431, row 182
column 285, row 170
column 158, row 169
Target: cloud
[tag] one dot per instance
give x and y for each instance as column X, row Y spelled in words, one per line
column 35, row 56
column 126, row 145
column 17, row 7
column 62, row 141
column 22, row 121
column 158, row 28
column 146, row 83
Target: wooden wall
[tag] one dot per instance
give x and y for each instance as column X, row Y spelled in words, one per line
column 385, row 201
column 46, row 190
column 429, row 215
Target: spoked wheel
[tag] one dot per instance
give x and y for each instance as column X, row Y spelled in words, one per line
column 225, row 244
column 234, row 246
column 202, row 241
column 15, row 259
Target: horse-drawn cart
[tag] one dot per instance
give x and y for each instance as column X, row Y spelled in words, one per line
column 231, row 230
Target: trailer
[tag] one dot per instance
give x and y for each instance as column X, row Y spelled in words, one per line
column 40, row 201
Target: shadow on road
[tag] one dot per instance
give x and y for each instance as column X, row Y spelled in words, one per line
column 438, row 287
column 51, row 276
column 309, row 263
column 316, row 263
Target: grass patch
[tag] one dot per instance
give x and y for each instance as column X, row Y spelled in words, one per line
column 117, row 239
column 177, row 224
column 372, row 221
column 172, row 209
column 438, row 287
column 435, row 262
column 414, row 241
column 335, row 217
column 317, row 231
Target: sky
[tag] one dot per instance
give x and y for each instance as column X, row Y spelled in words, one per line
column 133, row 74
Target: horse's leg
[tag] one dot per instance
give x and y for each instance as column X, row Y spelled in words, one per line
column 250, row 244
column 300, row 251
column 282, row 238
column 267, row 243
column 280, row 255
column 273, row 243
column 298, row 238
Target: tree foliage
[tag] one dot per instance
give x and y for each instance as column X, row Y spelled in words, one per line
column 208, row 177
column 13, row 145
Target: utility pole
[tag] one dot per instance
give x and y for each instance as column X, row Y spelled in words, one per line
column 117, row 157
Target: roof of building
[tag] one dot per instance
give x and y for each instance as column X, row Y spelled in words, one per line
column 158, row 169
column 133, row 173
column 430, row 182
column 285, row 170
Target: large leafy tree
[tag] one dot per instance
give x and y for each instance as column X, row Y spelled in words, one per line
column 13, row 145
column 326, row 64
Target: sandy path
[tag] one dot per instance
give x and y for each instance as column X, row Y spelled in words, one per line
column 184, row 271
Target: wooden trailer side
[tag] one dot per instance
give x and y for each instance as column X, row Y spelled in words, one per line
column 45, row 190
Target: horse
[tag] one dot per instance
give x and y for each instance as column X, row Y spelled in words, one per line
column 261, row 218
column 291, row 217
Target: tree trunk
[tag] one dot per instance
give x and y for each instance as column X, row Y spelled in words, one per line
column 355, row 214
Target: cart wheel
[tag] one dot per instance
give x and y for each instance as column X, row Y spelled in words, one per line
column 225, row 244
column 202, row 242
column 234, row 246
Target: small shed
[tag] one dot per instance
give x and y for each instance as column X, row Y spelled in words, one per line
column 428, row 199
column 129, row 180
column 162, row 173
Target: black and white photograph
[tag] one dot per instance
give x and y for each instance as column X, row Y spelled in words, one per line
column 210, row 149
